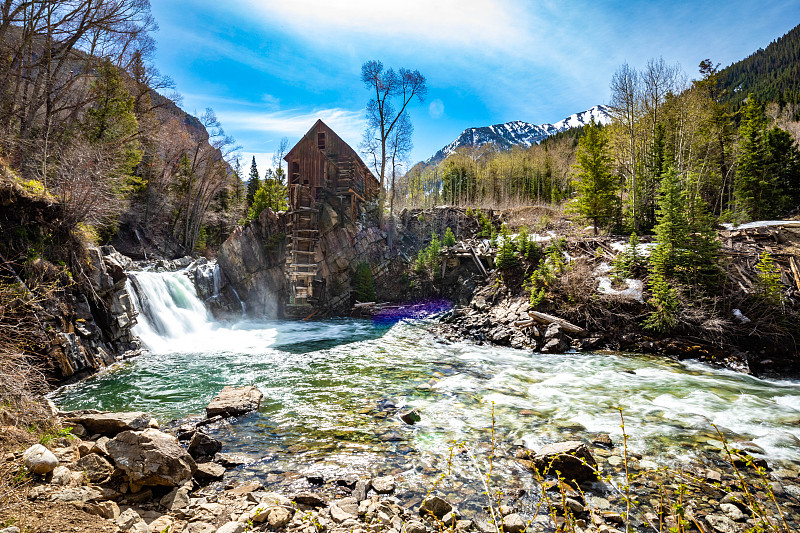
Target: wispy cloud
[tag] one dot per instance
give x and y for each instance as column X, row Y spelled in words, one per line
column 294, row 123
column 465, row 23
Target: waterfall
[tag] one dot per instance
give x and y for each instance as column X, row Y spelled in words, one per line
column 169, row 309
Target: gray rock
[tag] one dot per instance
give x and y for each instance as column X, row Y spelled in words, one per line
column 275, row 517
column 732, row 512
column 344, row 509
column 234, row 401
column 96, row 469
column 209, row 472
column 271, row 499
column 127, row 519
column 722, row 524
column 572, row 459
column 203, row 445
column 39, row 459
column 176, row 499
column 231, row 527
column 383, row 485
column 151, row 457
column 450, row 519
column 361, row 490
column 199, row 527
column 415, row 526
column 435, row 506
column 10, row 529
column 111, row 423
column 77, row 494
column 310, row 498
column 513, row 523
column 61, row 475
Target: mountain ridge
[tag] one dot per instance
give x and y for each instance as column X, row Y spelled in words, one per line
column 520, row 133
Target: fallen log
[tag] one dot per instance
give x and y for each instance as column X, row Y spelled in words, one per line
column 795, row 271
column 569, row 327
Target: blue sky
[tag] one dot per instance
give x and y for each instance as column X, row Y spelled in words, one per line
column 270, row 68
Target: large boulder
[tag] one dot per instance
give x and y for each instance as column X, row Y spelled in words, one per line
column 235, row 401
column 111, row 423
column 151, row 457
column 571, row 459
column 39, row 459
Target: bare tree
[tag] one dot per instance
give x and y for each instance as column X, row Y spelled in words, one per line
column 393, row 91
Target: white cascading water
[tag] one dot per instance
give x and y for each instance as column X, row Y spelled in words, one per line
column 172, row 319
column 169, row 309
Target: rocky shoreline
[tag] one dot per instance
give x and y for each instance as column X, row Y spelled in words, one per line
column 122, row 468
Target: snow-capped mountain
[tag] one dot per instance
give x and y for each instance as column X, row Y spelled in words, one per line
column 521, row 133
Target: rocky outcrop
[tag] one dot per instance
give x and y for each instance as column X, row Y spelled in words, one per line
column 94, row 328
column 252, row 260
column 234, row 401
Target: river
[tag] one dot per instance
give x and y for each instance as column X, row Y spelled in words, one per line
column 334, row 390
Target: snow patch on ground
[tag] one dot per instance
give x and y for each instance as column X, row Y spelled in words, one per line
column 633, row 288
column 762, row 224
column 643, row 248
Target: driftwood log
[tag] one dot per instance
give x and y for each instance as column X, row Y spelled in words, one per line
column 569, row 327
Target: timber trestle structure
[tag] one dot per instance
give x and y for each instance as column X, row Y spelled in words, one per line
column 323, row 169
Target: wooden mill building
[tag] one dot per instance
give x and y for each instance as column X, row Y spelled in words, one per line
column 322, row 168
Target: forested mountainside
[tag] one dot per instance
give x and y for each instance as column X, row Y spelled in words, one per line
column 771, row 74
column 82, row 119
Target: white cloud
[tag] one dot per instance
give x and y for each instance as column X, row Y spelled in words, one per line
column 466, row 23
column 294, row 123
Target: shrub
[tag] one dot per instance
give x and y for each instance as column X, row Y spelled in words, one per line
column 449, row 238
column 364, row 284
column 768, row 281
column 629, row 261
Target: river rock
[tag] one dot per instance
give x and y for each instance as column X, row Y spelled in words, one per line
column 151, row 457
column 383, row 485
column 107, row 509
column 344, row 509
column 435, row 506
column 722, row 524
column 202, row 445
column 513, row 523
column 235, row 401
column 361, row 489
column 209, row 472
column 415, row 526
column 111, row 423
column 39, row 459
column 571, row 458
column 411, row 417
column 732, row 512
column 95, row 468
column 310, row 498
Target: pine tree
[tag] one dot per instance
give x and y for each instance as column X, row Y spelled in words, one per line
column 507, row 254
column 672, row 229
column 253, row 183
column 597, row 187
column 449, row 238
column 768, row 281
column 751, row 179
